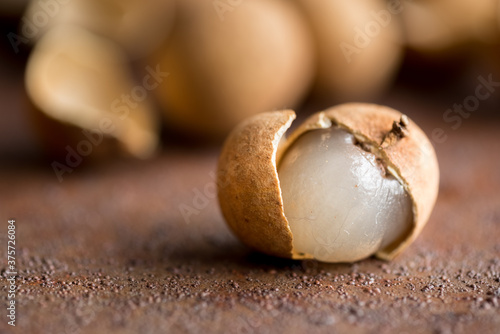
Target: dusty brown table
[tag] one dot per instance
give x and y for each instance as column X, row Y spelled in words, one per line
column 108, row 250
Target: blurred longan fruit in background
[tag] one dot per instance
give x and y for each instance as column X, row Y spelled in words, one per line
column 359, row 47
column 84, row 81
column 140, row 27
column 227, row 62
column 433, row 26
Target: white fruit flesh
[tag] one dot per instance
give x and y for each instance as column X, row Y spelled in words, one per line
column 340, row 204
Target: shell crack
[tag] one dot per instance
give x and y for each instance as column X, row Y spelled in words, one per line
column 399, row 131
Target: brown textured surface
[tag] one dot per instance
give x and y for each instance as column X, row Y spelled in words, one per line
column 107, row 250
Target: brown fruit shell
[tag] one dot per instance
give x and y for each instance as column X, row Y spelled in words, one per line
column 248, row 184
column 249, row 191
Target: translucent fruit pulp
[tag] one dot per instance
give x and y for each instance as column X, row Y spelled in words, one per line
column 340, row 204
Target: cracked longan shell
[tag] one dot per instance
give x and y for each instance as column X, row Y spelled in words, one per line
column 249, row 187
